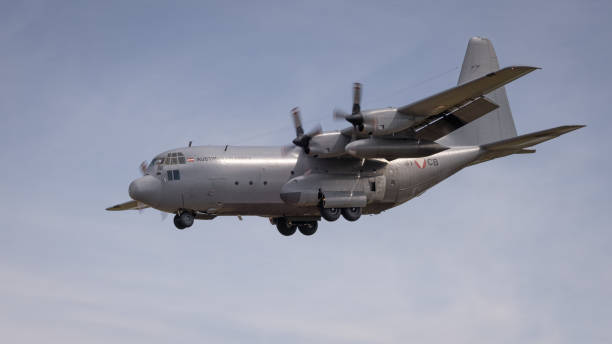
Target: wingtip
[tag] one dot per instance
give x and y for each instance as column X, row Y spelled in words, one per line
column 569, row 128
column 525, row 67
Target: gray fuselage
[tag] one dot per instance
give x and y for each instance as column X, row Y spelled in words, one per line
column 229, row 180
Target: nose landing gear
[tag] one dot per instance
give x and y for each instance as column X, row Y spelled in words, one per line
column 183, row 220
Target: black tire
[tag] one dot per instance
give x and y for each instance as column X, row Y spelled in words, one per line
column 187, row 219
column 351, row 214
column 178, row 222
column 284, row 228
column 330, row 214
column 308, row 228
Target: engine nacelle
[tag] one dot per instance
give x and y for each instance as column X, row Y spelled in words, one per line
column 383, row 122
column 328, row 145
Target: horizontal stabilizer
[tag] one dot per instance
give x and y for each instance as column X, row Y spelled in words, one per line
column 129, row 205
column 517, row 145
column 459, row 95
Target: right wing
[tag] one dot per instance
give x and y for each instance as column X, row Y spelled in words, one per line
column 129, row 205
column 449, row 110
column 517, row 145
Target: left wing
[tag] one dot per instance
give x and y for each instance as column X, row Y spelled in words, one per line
column 129, row 205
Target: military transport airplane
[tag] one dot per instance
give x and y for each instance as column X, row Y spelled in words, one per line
column 385, row 158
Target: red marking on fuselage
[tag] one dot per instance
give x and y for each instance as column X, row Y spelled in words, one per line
column 424, row 163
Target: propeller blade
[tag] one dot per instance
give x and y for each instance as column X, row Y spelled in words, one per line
column 340, row 114
column 143, row 167
column 355, row 117
column 314, row 131
column 356, row 98
column 301, row 139
column 286, row 149
column 297, row 121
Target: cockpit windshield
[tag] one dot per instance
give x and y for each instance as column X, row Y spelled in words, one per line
column 154, row 162
column 174, row 158
column 169, row 159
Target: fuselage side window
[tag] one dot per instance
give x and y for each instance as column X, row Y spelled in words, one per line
column 173, row 175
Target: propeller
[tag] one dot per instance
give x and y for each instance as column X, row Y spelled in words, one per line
column 355, row 117
column 301, row 139
column 143, row 167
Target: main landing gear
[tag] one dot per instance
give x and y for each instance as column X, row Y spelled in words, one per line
column 288, row 228
column 332, row 214
column 183, row 220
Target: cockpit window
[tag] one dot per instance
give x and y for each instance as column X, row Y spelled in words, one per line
column 155, row 161
column 174, row 158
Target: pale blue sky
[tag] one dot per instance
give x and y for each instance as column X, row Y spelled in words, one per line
column 514, row 250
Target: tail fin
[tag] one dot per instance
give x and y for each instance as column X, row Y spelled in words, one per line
column 480, row 60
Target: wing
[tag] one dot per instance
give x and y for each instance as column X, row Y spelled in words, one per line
column 129, row 205
column 517, row 145
column 449, row 110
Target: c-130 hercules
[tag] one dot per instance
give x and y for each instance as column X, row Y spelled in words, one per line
column 387, row 157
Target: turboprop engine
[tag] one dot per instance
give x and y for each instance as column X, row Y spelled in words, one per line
column 378, row 122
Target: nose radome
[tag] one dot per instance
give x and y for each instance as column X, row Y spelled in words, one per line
column 145, row 189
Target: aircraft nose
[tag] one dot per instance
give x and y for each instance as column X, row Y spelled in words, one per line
column 146, row 189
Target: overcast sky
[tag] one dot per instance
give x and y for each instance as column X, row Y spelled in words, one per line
column 513, row 250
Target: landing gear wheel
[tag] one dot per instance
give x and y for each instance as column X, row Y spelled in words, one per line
column 351, row 214
column 308, row 228
column 187, row 218
column 285, row 228
column 178, row 223
column 330, row 214
column 184, row 220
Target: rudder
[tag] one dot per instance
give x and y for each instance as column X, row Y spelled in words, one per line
column 480, row 60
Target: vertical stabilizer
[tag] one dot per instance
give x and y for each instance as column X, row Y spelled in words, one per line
column 480, row 59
